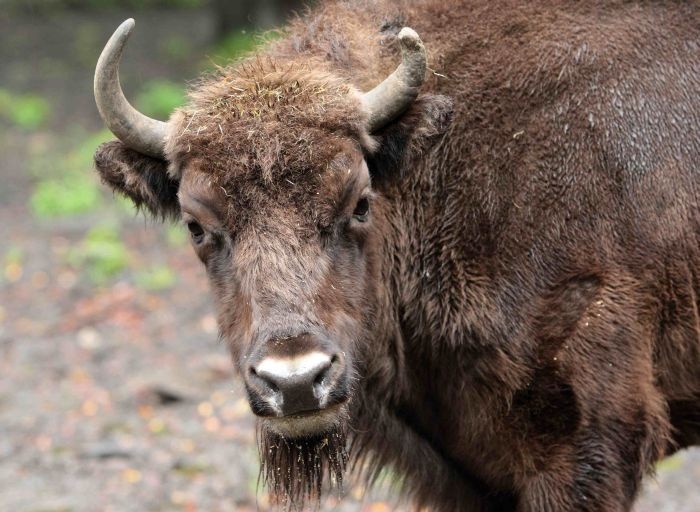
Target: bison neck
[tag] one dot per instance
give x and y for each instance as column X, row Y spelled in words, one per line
column 444, row 366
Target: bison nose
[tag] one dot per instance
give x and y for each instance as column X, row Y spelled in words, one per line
column 298, row 384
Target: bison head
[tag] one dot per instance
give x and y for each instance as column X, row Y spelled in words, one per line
column 267, row 166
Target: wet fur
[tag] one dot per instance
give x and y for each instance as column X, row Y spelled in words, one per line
column 523, row 315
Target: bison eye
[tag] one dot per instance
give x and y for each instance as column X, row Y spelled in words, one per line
column 196, row 232
column 361, row 210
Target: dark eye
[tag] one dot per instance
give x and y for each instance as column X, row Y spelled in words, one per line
column 361, row 210
column 196, row 232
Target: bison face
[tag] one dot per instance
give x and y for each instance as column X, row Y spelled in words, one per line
column 291, row 253
column 292, row 266
column 276, row 167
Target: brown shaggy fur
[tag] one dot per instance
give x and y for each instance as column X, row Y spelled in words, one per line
column 521, row 309
column 296, row 469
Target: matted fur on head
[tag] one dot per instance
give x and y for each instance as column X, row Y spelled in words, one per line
column 267, row 117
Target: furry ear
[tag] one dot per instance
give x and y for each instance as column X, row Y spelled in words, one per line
column 406, row 139
column 143, row 179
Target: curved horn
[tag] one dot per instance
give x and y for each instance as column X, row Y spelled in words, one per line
column 390, row 98
column 134, row 129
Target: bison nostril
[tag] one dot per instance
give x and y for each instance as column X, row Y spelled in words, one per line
column 266, row 381
column 321, row 376
column 326, row 370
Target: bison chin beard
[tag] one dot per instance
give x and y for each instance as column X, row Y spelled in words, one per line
column 295, row 469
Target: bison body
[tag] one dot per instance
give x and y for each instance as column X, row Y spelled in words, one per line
column 513, row 320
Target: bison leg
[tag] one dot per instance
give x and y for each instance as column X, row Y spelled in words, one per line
column 590, row 421
column 598, row 464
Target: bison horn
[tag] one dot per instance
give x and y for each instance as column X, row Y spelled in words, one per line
column 134, row 129
column 390, row 98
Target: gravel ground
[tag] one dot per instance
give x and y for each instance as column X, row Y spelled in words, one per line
column 115, row 396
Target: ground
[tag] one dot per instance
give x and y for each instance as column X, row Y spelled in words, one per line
column 115, row 393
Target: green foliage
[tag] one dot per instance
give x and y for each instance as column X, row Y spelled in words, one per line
column 101, row 253
column 670, row 463
column 68, row 185
column 176, row 48
column 14, row 254
column 159, row 98
column 156, row 278
column 234, row 46
column 81, row 156
column 68, row 195
column 125, row 205
column 26, row 111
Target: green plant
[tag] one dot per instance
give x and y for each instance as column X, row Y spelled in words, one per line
column 68, row 195
column 101, row 253
column 235, row 46
column 156, row 278
column 125, row 205
column 11, row 266
column 67, row 184
column 159, row 98
column 14, row 255
column 176, row 48
column 26, row 111
column 670, row 464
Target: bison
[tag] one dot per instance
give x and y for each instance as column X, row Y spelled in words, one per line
column 480, row 268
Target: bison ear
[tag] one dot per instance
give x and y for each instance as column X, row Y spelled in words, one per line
column 410, row 136
column 143, row 179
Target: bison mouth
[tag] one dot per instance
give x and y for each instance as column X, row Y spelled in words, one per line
column 302, row 454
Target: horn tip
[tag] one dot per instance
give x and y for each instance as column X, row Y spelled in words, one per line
column 126, row 27
column 409, row 37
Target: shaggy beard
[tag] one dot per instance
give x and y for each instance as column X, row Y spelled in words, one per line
column 295, row 470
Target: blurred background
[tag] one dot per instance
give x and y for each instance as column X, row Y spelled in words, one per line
column 114, row 391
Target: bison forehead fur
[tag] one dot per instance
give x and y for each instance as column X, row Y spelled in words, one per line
column 267, row 117
column 497, row 291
